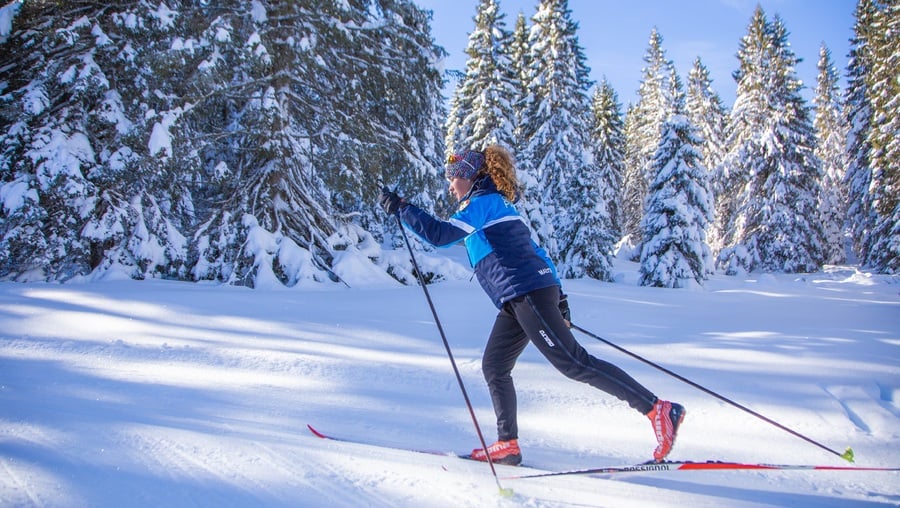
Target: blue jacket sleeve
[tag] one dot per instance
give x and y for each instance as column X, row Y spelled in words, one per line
column 434, row 231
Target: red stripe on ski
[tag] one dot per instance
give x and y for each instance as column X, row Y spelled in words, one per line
column 652, row 467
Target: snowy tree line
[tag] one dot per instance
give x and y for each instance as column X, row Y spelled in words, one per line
column 245, row 143
column 685, row 184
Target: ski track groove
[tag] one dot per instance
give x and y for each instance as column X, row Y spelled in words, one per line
column 311, row 474
column 886, row 397
column 864, row 406
column 180, row 460
column 32, row 497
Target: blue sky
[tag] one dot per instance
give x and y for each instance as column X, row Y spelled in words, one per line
column 614, row 34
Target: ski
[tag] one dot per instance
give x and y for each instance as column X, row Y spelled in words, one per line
column 414, row 450
column 668, row 466
column 644, row 467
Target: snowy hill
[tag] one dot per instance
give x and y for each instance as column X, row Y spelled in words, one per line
column 127, row 393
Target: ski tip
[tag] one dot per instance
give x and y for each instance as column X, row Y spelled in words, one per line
column 316, row 432
column 848, row 455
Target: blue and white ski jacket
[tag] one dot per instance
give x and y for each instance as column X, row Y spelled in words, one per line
column 507, row 262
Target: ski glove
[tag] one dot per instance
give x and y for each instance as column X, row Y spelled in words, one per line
column 390, row 201
column 564, row 308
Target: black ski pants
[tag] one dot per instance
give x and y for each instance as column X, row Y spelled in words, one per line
column 535, row 318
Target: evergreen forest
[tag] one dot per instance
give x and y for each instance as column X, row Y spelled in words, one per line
column 246, row 143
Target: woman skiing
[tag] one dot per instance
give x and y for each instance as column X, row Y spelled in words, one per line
column 521, row 280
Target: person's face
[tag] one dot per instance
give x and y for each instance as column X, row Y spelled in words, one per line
column 459, row 187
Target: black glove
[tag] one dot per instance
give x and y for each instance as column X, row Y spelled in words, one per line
column 564, row 308
column 390, row 201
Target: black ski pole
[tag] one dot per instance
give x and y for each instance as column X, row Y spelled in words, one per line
column 462, row 386
column 847, row 455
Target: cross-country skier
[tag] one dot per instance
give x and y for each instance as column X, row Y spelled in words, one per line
column 521, row 280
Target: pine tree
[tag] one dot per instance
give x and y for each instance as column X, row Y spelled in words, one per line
column 772, row 173
column 556, row 125
column 631, row 208
column 304, row 128
column 211, row 140
column 747, row 116
column 97, row 199
column 530, row 200
column 147, row 210
column 609, row 155
column 273, row 222
column 679, row 208
column 643, row 138
column 883, row 138
column 860, row 210
column 47, row 147
column 705, row 111
column 483, row 104
column 454, row 129
column 830, row 138
column 595, row 231
column 520, row 65
column 384, row 121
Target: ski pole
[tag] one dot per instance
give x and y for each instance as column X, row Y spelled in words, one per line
column 847, row 455
column 462, row 386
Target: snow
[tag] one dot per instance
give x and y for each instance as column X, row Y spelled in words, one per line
column 58, row 154
column 258, row 12
column 35, row 99
column 161, row 136
column 164, row 15
column 7, row 14
column 162, row 393
column 14, row 195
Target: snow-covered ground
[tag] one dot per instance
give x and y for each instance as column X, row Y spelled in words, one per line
column 126, row 393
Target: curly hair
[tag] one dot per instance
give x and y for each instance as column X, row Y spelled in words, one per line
column 498, row 163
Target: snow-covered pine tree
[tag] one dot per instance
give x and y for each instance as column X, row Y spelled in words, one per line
column 309, row 146
column 675, row 253
column 595, row 231
column 232, row 117
column 748, row 114
column 530, row 199
column 772, row 173
column 520, row 62
column 50, row 92
column 384, row 122
column 305, row 149
column 643, row 133
column 883, row 137
column 91, row 193
column 705, row 111
column 861, row 215
column 831, row 136
column 273, row 222
column 556, row 125
column 609, row 153
column 484, row 100
column 27, row 95
column 453, row 126
column 631, row 206
column 147, row 209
